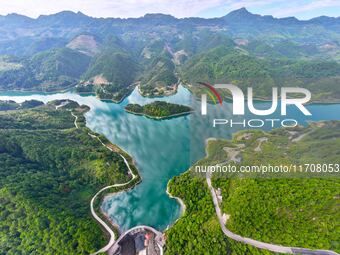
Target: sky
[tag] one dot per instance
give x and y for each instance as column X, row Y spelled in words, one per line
column 302, row 9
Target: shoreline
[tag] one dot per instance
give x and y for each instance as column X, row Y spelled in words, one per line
column 173, row 92
column 135, row 178
column 105, row 215
column 122, row 98
column 229, row 99
column 131, row 184
column 182, row 205
column 112, row 229
column 179, row 200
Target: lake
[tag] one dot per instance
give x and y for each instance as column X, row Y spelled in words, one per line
column 161, row 148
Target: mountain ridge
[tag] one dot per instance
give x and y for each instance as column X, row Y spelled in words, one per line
column 110, row 56
column 241, row 11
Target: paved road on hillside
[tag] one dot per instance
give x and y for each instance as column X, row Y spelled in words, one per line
column 93, row 212
column 252, row 242
column 255, row 243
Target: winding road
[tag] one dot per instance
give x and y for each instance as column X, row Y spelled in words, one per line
column 258, row 244
column 255, row 243
column 93, row 212
column 113, row 242
column 76, row 119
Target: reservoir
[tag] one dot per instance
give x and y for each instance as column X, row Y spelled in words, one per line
column 161, row 148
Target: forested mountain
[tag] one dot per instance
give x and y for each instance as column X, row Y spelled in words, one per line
column 230, row 65
column 49, row 170
column 111, row 74
column 54, row 69
column 110, row 56
column 293, row 209
column 51, row 167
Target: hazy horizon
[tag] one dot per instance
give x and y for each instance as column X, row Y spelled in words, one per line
column 155, row 13
column 304, row 10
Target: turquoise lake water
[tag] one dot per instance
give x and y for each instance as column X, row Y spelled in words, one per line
column 161, row 149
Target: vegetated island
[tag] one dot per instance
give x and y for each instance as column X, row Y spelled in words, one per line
column 51, row 167
column 297, row 212
column 159, row 110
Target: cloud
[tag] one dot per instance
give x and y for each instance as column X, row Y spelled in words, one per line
column 300, row 8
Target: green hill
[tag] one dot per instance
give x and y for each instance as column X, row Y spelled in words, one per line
column 225, row 65
column 111, row 74
column 49, row 171
column 291, row 210
column 62, row 66
column 158, row 78
column 50, row 70
column 159, row 50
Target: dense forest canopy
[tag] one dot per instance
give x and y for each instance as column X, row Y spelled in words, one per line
column 48, row 173
column 158, row 109
column 300, row 212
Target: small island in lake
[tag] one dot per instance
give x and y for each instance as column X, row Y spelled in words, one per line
column 159, row 110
